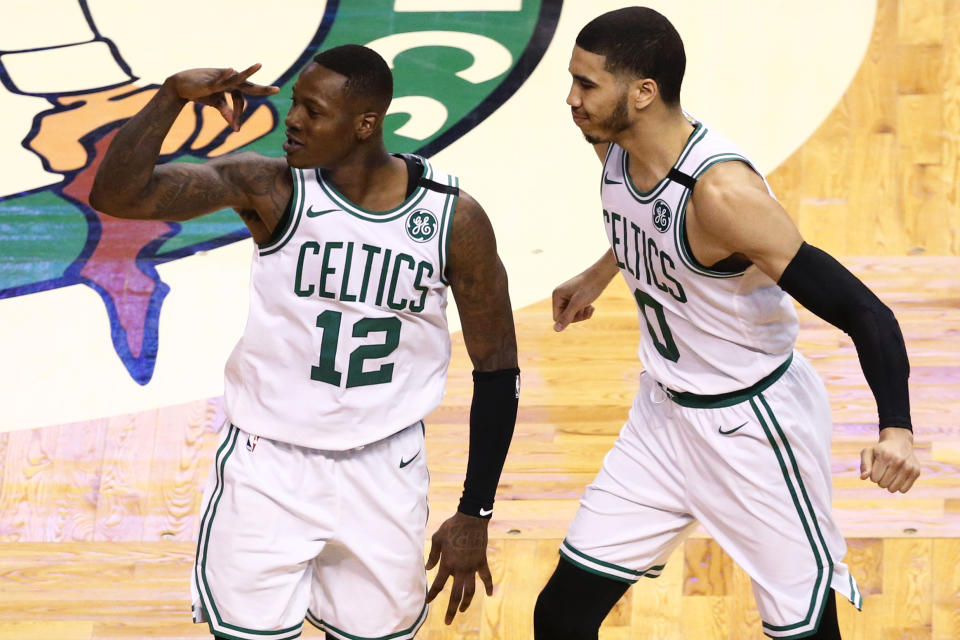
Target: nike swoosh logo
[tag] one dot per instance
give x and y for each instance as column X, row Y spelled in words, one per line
column 404, row 463
column 607, row 180
column 726, row 433
column 485, row 512
column 313, row 214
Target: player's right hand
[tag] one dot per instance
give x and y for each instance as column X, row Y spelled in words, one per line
column 892, row 462
column 573, row 300
column 210, row 87
column 460, row 546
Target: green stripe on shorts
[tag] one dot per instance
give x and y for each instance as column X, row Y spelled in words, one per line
column 801, row 501
column 339, row 634
column 605, row 569
column 217, row 625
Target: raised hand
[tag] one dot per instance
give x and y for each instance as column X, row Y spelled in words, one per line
column 211, row 86
column 460, row 545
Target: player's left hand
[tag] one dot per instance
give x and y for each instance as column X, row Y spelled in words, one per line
column 210, row 86
column 891, row 462
column 460, row 545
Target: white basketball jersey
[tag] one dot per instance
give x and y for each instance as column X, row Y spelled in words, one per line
column 346, row 341
column 705, row 332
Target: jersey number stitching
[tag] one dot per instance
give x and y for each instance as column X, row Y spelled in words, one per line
column 326, row 370
column 666, row 348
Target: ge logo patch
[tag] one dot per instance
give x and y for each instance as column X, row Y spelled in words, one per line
column 421, row 225
column 661, row 216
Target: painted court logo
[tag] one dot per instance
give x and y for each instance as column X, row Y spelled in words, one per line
column 453, row 63
column 421, row 225
column 661, row 216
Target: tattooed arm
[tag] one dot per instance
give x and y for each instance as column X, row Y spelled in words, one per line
column 130, row 184
column 479, row 283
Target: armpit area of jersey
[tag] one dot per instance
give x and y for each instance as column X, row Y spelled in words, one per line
column 825, row 287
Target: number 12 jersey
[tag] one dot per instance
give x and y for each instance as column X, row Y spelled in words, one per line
column 346, row 339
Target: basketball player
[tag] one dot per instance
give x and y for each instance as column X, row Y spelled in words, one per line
column 731, row 426
column 317, row 502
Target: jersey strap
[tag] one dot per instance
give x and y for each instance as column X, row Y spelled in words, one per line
column 416, row 178
column 441, row 188
column 681, row 178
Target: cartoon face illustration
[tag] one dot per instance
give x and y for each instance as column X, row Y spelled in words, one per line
column 68, row 86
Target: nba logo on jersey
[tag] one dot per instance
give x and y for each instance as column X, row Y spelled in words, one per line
column 252, row 442
column 661, row 216
column 421, row 225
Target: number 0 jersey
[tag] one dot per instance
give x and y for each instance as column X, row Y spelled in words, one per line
column 346, row 340
column 705, row 332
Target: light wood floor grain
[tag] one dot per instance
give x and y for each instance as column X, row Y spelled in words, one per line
column 881, row 175
column 97, row 519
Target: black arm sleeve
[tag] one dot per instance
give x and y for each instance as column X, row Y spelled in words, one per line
column 493, row 414
column 825, row 287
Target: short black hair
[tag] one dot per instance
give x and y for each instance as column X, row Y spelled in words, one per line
column 640, row 41
column 368, row 75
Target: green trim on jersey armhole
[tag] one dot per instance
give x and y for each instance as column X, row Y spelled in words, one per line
column 376, row 216
column 698, row 133
column 446, row 223
column 293, row 220
column 721, row 400
column 808, row 518
column 680, row 228
column 283, row 223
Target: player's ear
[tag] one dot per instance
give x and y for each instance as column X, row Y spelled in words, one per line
column 366, row 124
column 643, row 91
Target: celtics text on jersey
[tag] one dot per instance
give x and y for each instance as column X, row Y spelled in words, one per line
column 346, row 340
column 705, row 331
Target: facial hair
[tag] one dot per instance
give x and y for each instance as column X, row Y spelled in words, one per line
column 616, row 122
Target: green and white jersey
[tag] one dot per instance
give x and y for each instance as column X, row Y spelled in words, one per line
column 705, row 332
column 346, row 341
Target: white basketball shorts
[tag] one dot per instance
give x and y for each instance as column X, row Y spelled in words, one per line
column 752, row 467
column 336, row 537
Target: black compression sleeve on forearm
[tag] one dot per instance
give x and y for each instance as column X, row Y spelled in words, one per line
column 825, row 287
column 493, row 414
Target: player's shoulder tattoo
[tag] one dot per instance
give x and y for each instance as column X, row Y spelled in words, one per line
column 266, row 181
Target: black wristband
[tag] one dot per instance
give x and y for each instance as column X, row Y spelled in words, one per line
column 493, row 414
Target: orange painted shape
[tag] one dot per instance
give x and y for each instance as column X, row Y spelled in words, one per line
column 259, row 124
column 212, row 124
column 58, row 139
column 183, row 127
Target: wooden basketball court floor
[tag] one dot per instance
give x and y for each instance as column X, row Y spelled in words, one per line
column 97, row 519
